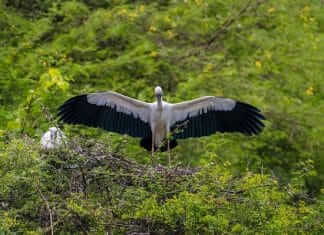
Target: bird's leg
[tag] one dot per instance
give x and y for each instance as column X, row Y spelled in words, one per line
column 152, row 153
column 169, row 152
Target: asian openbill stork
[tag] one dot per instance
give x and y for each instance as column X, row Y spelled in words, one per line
column 155, row 122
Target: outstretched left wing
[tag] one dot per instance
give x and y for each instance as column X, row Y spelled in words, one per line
column 108, row 110
column 206, row 115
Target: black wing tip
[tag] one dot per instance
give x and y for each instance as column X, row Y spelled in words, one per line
column 64, row 112
column 77, row 110
column 252, row 123
column 250, row 108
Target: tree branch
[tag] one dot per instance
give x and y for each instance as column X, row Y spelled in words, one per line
column 48, row 208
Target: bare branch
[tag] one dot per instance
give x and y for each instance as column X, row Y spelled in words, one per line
column 48, row 208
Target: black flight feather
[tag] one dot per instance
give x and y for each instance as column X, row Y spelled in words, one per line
column 78, row 110
column 243, row 118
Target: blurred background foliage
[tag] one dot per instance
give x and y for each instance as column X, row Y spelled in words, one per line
column 264, row 52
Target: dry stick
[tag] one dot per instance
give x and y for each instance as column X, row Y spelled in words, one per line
column 232, row 20
column 227, row 24
column 224, row 28
column 48, row 208
column 57, row 222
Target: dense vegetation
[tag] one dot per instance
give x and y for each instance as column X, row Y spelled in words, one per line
column 265, row 52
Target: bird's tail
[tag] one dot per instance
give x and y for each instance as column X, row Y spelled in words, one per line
column 147, row 144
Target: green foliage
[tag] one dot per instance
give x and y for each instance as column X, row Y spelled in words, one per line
column 267, row 53
column 85, row 195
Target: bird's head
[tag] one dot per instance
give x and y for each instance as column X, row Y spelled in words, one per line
column 158, row 91
column 53, row 129
column 53, row 133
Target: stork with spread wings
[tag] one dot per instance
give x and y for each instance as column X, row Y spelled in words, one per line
column 153, row 122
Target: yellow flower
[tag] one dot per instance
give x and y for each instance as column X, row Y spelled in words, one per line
column 152, row 29
column 227, row 163
column 268, row 54
column 122, row 12
column 167, row 19
column 208, row 67
column 258, row 64
column 133, row 15
column 153, row 53
column 272, row 9
column 170, row 34
column 306, row 9
column 310, row 91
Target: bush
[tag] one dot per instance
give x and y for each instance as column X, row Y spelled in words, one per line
column 82, row 194
column 266, row 53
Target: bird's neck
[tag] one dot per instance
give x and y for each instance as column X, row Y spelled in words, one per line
column 159, row 102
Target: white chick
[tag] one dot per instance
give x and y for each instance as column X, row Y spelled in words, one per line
column 54, row 138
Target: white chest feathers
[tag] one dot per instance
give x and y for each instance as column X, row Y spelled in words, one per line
column 160, row 123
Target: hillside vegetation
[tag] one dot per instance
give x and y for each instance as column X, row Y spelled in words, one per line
column 264, row 52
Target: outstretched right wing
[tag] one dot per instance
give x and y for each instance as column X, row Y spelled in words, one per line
column 207, row 115
column 108, row 110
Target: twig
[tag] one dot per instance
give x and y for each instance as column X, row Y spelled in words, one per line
column 223, row 29
column 48, row 208
column 226, row 25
